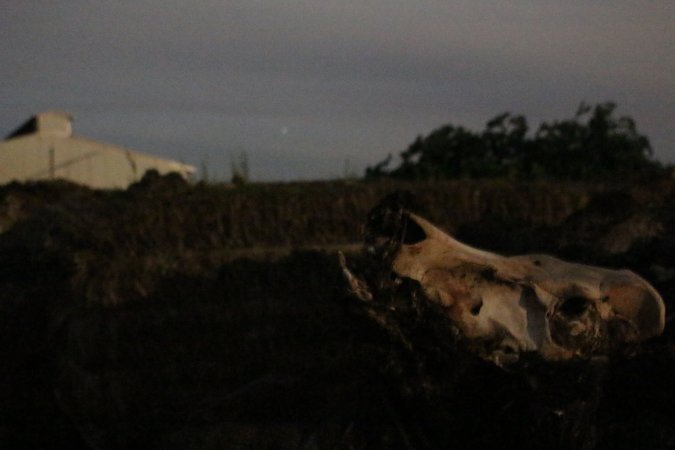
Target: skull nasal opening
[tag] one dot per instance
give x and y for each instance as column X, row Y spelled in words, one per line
column 412, row 232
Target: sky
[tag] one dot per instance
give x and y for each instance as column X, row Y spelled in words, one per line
column 321, row 89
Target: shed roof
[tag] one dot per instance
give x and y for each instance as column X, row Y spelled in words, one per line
column 56, row 123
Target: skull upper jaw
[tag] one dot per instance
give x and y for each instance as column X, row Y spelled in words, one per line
column 532, row 302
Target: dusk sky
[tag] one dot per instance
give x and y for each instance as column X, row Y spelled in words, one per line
column 305, row 88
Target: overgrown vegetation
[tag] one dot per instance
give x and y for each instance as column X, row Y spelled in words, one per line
column 146, row 319
column 239, row 169
column 594, row 145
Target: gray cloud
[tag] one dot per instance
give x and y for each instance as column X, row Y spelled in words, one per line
column 348, row 80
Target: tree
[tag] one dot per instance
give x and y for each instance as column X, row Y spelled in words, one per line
column 593, row 145
column 596, row 145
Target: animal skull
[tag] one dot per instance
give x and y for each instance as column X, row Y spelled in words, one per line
column 525, row 303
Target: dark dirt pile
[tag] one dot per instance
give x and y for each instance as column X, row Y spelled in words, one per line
column 128, row 321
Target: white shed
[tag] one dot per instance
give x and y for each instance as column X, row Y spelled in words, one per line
column 44, row 148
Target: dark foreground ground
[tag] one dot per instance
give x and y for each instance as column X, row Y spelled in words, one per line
column 172, row 317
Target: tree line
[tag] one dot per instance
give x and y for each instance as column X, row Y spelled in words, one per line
column 595, row 144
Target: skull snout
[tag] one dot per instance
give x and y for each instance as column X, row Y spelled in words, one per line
column 575, row 310
column 636, row 302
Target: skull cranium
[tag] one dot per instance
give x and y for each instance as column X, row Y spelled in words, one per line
column 525, row 303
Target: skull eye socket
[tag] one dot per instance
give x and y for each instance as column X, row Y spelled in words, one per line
column 573, row 306
column 412, row 232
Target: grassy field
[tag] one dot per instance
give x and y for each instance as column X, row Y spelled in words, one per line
column 177, row 316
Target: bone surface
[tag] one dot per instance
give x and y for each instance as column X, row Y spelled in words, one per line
column 533, row 302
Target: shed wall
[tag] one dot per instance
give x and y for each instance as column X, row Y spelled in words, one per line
column 80, row 160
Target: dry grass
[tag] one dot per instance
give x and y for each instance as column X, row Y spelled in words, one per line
column 170, row 316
